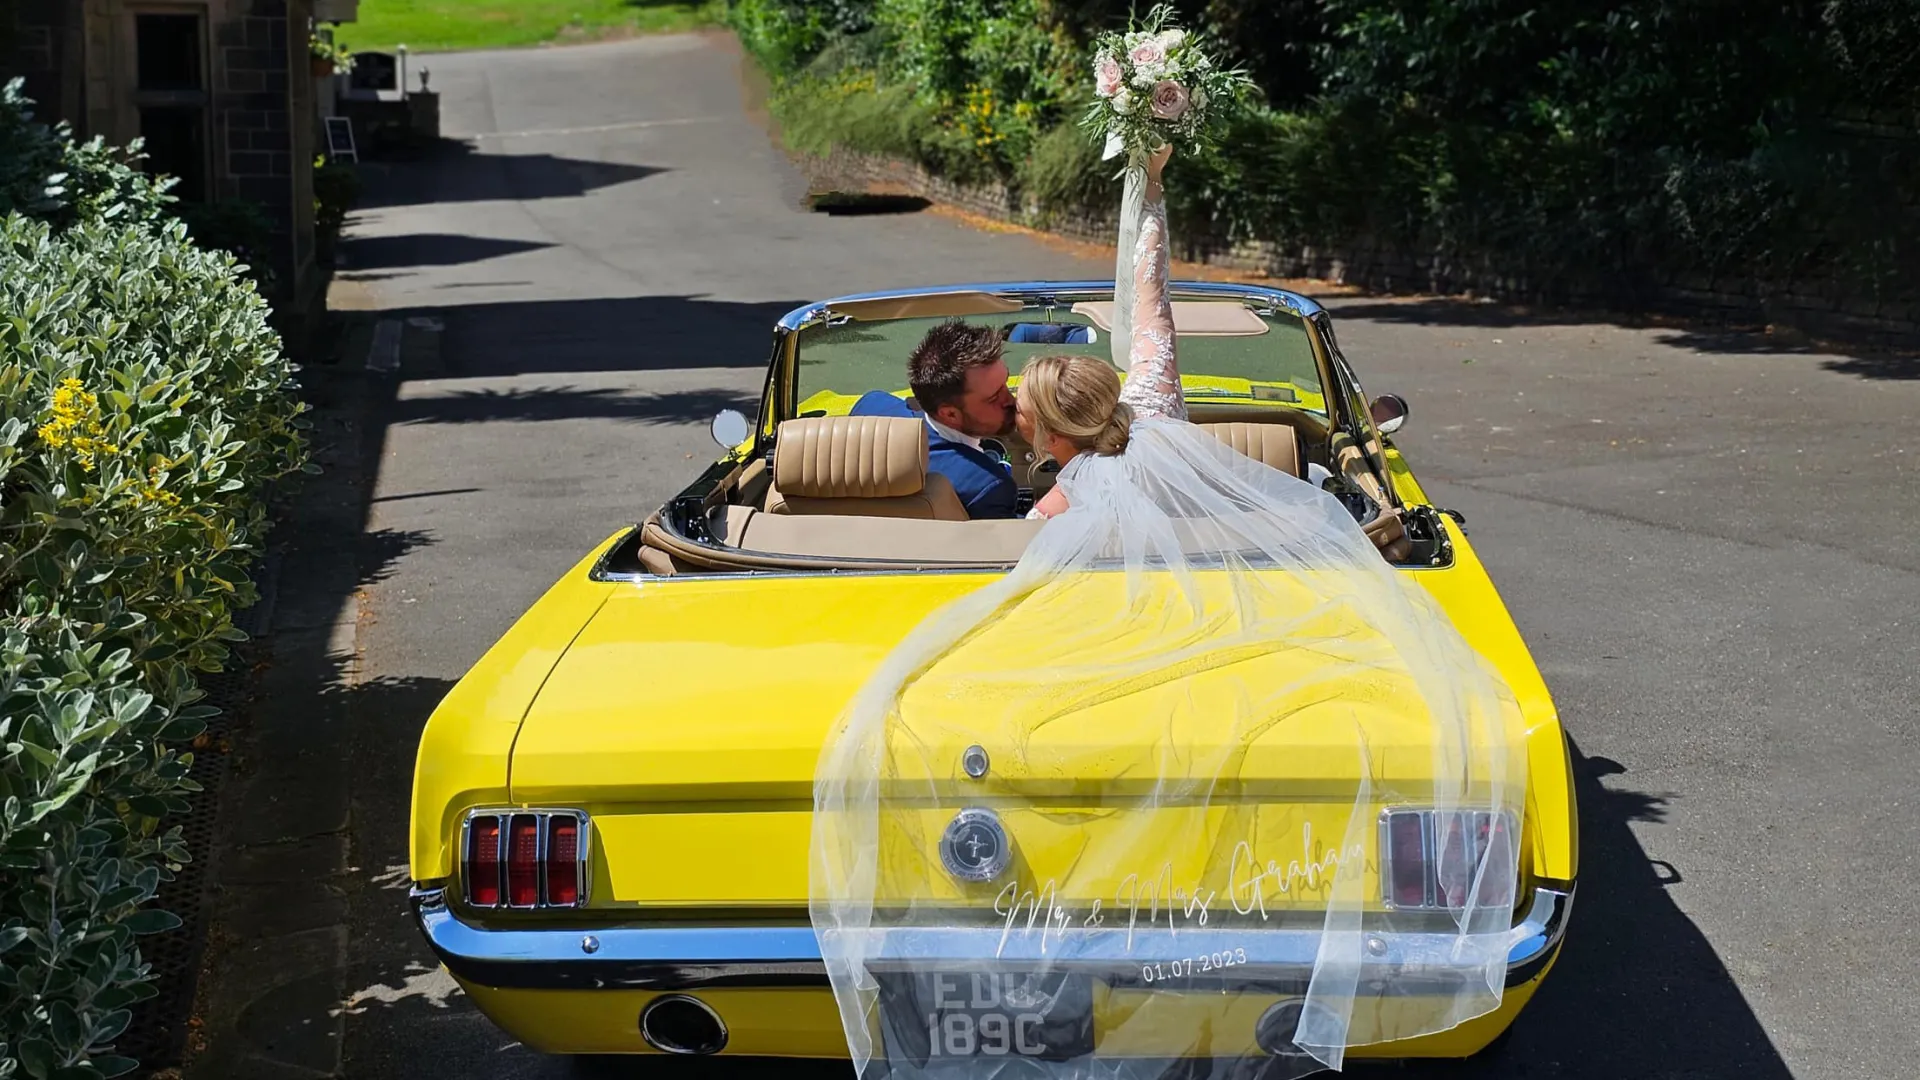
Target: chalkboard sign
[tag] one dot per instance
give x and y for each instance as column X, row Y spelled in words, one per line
column 340, row 139
column 374, row 71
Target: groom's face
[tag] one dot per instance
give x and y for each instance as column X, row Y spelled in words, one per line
column 986, row 406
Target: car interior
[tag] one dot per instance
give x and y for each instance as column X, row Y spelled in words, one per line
column 830, row 491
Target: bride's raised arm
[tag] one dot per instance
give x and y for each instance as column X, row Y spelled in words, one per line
column 1153, row 366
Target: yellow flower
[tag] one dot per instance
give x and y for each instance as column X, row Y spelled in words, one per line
column 75, row 424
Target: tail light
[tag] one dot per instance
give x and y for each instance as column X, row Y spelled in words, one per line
column 563, row 861
column 527, row 859
column 483, row 862
column 523, row 861
column 1429, row 858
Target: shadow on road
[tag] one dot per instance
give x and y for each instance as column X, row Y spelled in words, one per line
column 856, row 204
column 641, row 333
column 426, row 249
column 459, row 170
column 1889, row 366
column 1866, row 361
column 571, row 403
column 1638, row 990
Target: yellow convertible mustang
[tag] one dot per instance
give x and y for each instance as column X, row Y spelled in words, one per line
column 612, row 810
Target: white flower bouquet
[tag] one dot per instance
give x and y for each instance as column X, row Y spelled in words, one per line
column 1154, row 85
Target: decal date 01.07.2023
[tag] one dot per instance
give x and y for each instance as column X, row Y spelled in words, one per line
column 1159, row 971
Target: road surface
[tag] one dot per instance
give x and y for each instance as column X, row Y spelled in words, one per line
column 1710, row 544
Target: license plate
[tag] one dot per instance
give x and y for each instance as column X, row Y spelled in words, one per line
column 991, row 1014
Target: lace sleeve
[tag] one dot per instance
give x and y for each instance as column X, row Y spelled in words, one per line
column 1153, row 368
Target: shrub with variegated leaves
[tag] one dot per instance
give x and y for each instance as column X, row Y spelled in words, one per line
column 144, row 406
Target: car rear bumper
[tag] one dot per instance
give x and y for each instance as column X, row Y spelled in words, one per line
column 678, row 958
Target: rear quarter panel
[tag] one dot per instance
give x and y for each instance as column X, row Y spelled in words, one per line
column 468, row 742
column 1469, row 596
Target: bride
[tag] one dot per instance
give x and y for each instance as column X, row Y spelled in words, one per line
column 1069, row 406
column 1198, row 658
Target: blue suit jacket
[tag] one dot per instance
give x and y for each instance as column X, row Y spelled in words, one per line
column 984, row 483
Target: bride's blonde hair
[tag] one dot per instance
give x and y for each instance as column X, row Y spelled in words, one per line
column 1078, row 399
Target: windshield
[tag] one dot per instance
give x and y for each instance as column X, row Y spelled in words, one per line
column 1243, row 354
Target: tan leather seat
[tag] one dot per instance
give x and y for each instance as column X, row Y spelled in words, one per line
column 862, row 466
column 1277, row 445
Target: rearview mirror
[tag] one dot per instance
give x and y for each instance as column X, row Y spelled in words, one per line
column 730, row 428
column 1389, row 413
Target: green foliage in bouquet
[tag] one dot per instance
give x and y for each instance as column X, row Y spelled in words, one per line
column 1156, row 84
column 144, row 407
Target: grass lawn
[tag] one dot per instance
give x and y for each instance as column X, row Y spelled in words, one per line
column 441, row 25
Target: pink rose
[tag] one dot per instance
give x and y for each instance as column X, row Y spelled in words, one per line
column 1170, row 100
column 1149, row 54
column 1107, row 76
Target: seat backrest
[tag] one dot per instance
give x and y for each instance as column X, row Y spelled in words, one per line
column 864, row 466
column 1277, row 445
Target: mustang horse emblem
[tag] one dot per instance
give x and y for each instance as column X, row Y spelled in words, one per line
column 975, row 846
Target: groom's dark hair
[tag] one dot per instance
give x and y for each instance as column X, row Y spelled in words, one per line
column 937, row 368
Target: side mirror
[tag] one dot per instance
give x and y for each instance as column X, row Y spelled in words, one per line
column 730, row 428
column 1389, row 413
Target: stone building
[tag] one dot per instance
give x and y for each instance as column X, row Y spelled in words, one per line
column 219, row 89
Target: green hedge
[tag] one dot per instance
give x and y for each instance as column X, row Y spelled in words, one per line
column 144, row 407
column 1548, row 141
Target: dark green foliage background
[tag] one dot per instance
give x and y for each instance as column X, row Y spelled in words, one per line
column 1761, row 142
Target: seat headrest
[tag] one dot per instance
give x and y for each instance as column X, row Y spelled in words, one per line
column 850, row 457
column 1277, row 445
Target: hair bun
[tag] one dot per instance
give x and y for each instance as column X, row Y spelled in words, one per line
column 1114, row 436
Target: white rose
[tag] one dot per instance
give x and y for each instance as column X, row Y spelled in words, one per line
column 1148, row 55
column 1172, row 39
column 1199, row 98
column 1123, row 101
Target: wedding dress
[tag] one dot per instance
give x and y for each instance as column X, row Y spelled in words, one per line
column 1116, row 804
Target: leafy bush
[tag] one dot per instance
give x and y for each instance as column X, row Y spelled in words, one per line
column 1064, row 173
column 238, row 227
column 999, row 71
column 855, row 111
column 144, row 405
column 43, row 172
column 781, row 35
column 1556, row 142
column 336, row 187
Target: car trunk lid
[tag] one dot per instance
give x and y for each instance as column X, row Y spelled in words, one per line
column 689, row 718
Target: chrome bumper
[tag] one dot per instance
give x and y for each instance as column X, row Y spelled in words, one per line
column 687, row 958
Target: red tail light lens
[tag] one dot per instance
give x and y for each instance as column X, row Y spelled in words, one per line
column 526, row 858
column 1497, row 851
column 1429, row 859
column 483, row 862
column 563, row 861
column 523, row 862
column 1454, row 870
column 1407, row 859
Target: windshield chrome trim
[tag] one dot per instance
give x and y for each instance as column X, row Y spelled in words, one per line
column 1038, row 291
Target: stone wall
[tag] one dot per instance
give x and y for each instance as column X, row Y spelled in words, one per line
column 38, row 42
column 1821, row 308
column 79, row 60
column 265, row 119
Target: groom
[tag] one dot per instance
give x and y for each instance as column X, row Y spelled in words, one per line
column 958, row 373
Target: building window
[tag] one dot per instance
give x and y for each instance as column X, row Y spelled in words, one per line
column 171, row 92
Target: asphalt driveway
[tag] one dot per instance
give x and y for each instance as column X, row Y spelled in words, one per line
column 1709, row 541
